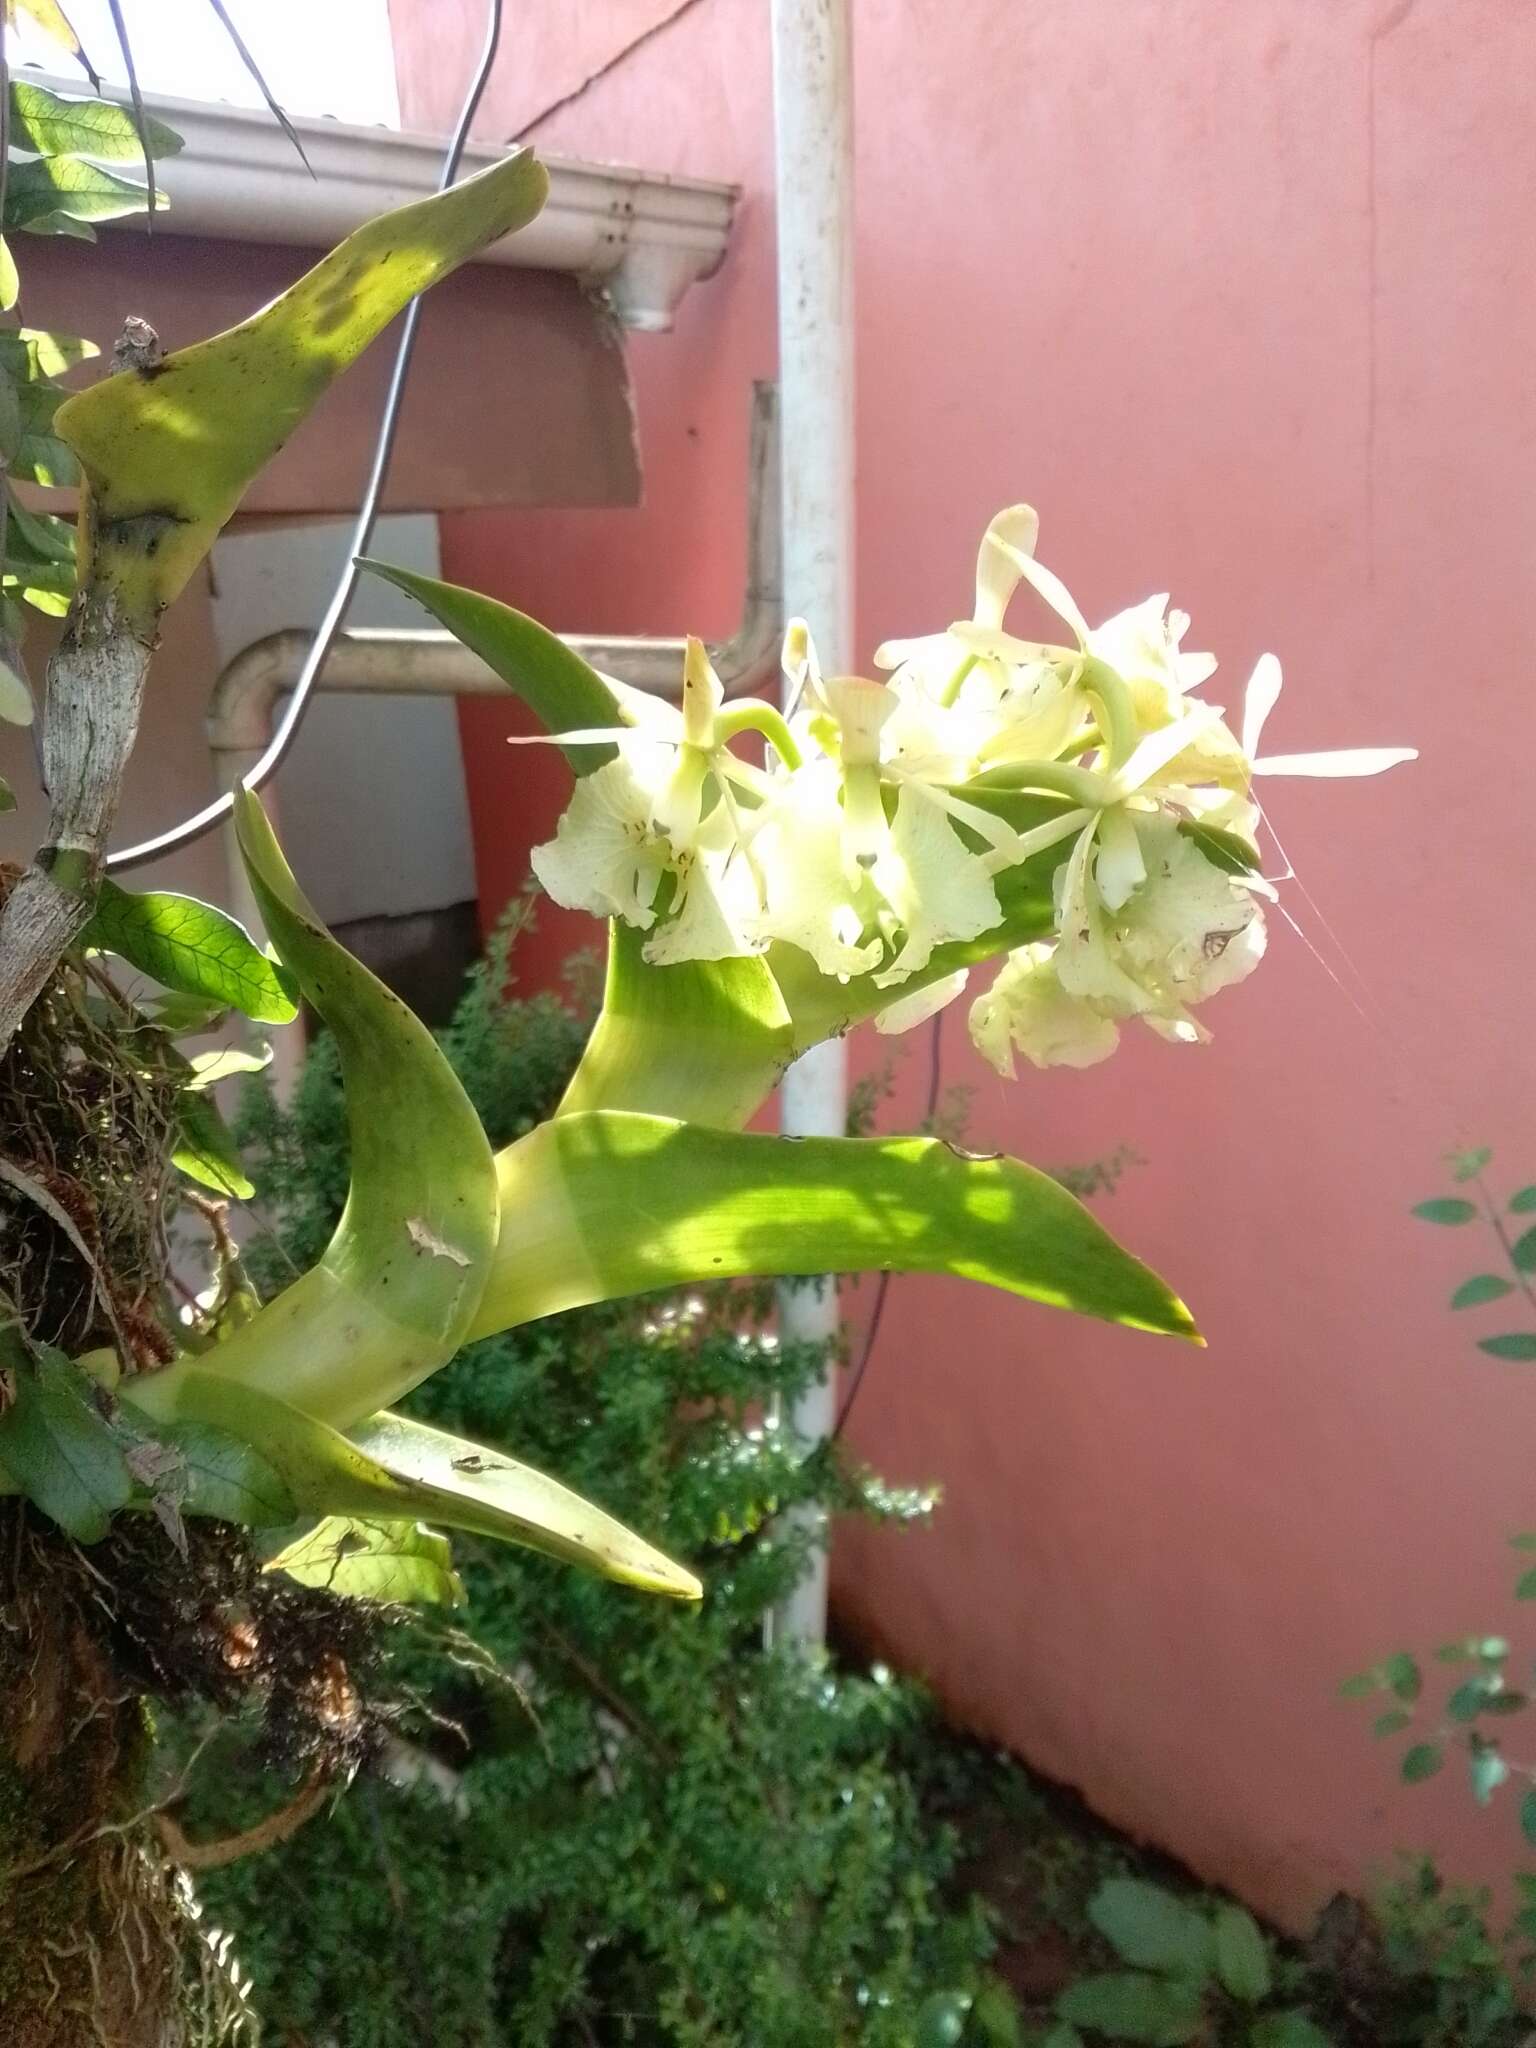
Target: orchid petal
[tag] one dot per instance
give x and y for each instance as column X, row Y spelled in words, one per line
column 1027, row 1007
column 938, row 890
column 910, row 1011
column 1259, row 700
column 1338, row 762
column 1120, row 869
column 1011, row 534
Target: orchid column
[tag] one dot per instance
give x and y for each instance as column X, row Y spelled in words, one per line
column 813, row 128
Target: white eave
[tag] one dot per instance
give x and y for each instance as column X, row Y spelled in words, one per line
column 642, row 236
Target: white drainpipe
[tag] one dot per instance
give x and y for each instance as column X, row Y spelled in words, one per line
column 642, row 236
column 389, row 661
column 813, row 128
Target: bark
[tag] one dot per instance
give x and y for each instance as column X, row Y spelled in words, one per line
column 95, row 687
column 95, row 1933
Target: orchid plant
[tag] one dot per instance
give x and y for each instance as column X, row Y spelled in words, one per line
column 1068, row 809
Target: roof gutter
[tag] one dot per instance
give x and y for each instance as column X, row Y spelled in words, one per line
column 640, row 236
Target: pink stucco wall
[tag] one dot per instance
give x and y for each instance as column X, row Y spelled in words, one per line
column 1242, row 297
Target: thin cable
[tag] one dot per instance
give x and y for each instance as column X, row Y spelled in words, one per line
column 362, row 533
column 883, row 1286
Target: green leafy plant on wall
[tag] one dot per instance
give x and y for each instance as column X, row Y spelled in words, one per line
column 1479, row 1699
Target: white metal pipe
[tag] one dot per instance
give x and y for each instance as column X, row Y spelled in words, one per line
column 643, row 235
column 813, row 135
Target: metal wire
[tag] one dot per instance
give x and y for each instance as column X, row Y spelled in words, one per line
column 282, row 740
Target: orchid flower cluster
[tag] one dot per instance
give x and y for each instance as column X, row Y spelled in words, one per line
column 866, row 837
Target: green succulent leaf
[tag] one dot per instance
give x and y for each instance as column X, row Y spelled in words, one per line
column 391, row 1299
column 58, row 1447
column 404, row 1562
column 706, row 1039
column 565, row 693
column 63, row 124
column 1128, row 2006
column 192, row 948
column 493, row 1495
column 1148, row 1926
column 610, row 1203
column 402, row 1471
column 1242, row 1955
column 1522, row 1252
column 1523, row 1201
column 168, row 452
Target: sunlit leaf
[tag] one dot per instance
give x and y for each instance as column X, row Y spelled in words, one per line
column 70, row 188
column 705, row 1039
column 565, row 693
column 609, row 1203
column 402, row 1471
column 391, row 1298
column 192, row 948
column 10, row 281
column 404, row 1562
column 475, row 1488
column 31, row 352
column 205, row 1149
column 167, row 453
column 63, row 124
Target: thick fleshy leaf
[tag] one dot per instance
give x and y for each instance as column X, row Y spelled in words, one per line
column 402, row 1471
column 482, row 1490
column 704, row 1039
column 390, row 1300
column 64, row 124
column 192, row 948
column 168, row 451
column 565, row 693
column 400, row 1561
column 609, row 1203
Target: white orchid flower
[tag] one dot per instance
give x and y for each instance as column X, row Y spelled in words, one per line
column 1027, row 1009
column 667, row 806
